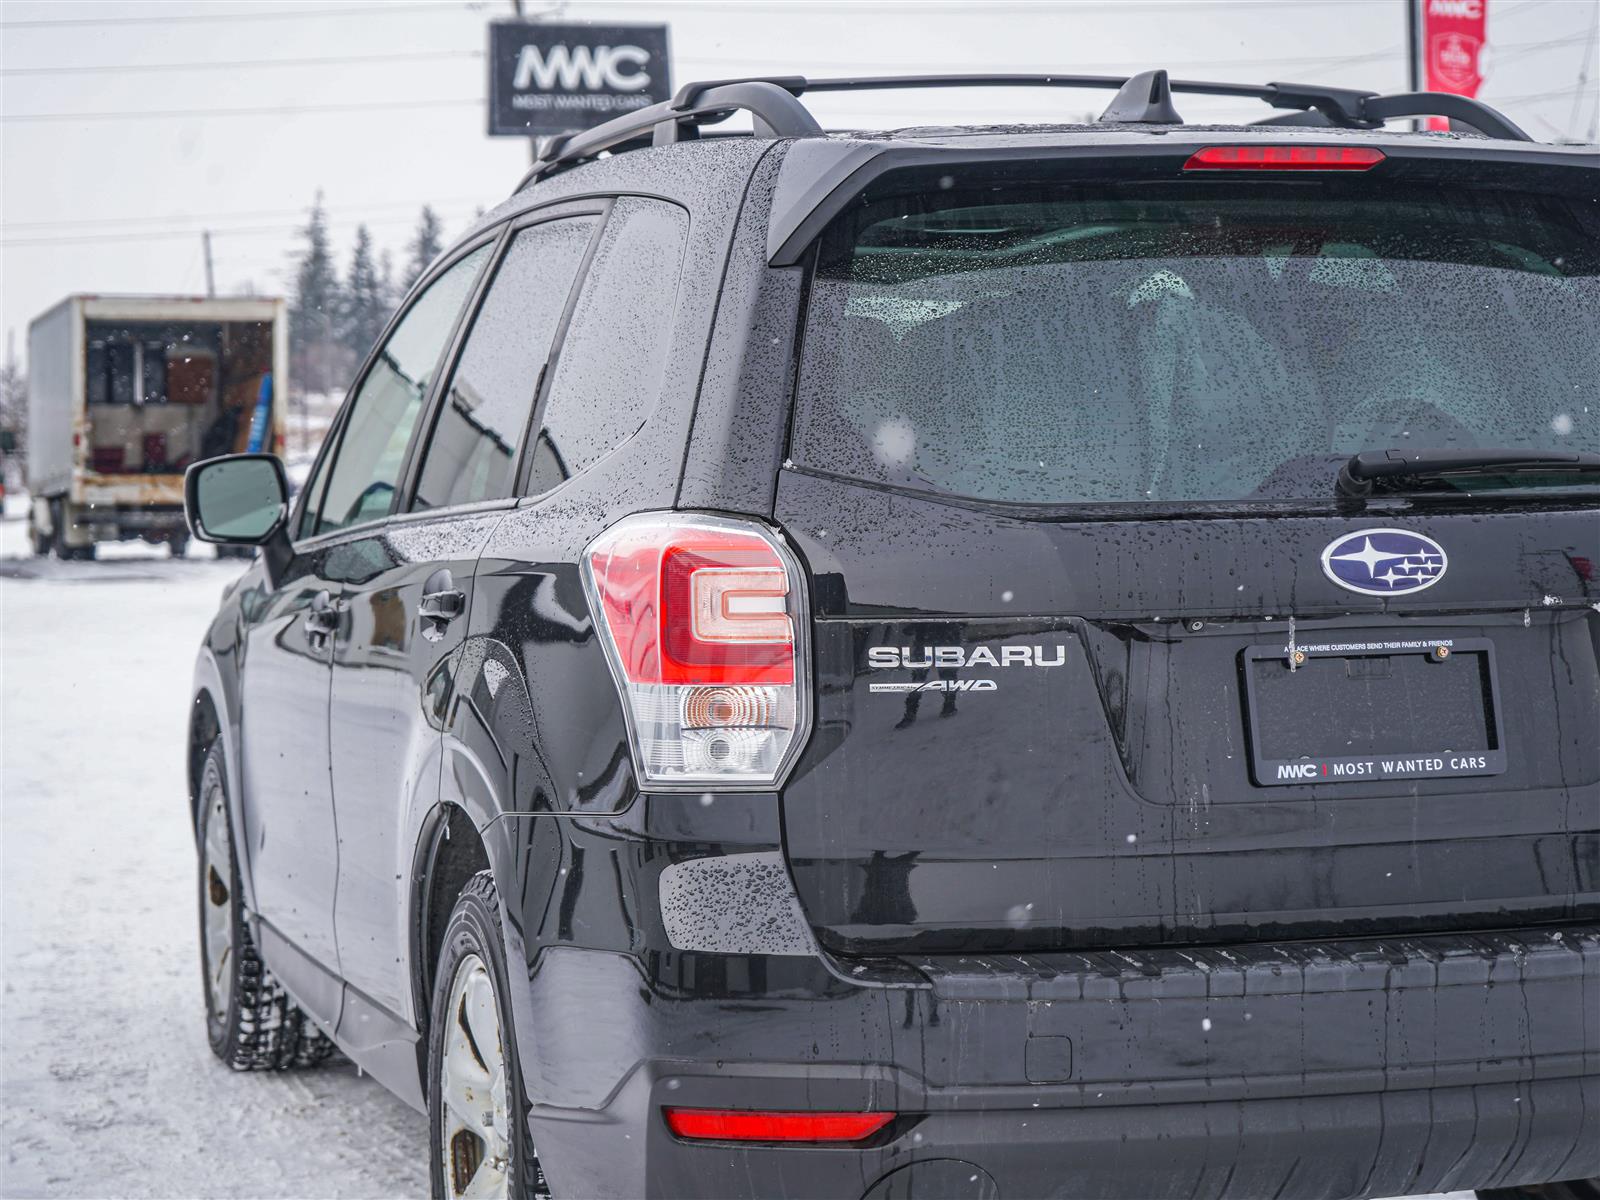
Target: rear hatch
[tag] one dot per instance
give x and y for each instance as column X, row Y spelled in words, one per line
column 1100, row 656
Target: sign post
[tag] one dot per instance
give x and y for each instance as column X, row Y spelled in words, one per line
column 547, row 79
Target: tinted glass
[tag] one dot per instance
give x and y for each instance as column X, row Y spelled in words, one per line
column 383, row 412
column 471, row 455
column 1183, row 342
column 608, row 375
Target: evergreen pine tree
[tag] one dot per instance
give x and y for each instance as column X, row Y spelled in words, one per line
column 364, row 309
column 315, row 311
column 386, row 283
column 14, row 400
column 425, row 244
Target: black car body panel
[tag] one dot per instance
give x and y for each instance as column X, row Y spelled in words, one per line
column 1031, row 883
column 1137, row 740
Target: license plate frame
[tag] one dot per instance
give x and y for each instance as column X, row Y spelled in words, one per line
column 1382, row 767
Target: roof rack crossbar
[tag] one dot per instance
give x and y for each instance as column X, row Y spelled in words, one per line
column 774, row 105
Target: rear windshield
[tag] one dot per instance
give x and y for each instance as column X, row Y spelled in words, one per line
column 1189, row 341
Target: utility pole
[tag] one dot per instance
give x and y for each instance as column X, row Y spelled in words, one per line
column 211, row 282
column 533, row 142
column 1414, row 52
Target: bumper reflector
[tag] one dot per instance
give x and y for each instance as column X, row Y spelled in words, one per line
column 740, row 1125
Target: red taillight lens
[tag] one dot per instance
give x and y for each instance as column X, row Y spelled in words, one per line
column 701, row 618
column 737, row 1125
column 1284, row 158
column 689, row 603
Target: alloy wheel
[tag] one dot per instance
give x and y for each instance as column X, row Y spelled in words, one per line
column 475, row 1115
column 216, row 886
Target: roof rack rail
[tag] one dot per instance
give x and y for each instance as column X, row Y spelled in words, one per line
column 774, row 109
column 773, row 102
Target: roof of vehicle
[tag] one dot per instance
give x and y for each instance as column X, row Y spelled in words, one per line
column 1142, row 103
column 821, row 168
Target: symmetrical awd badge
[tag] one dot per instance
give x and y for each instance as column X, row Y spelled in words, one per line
column 1384, row 562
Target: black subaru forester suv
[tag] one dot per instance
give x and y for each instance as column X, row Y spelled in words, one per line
column 954, row 663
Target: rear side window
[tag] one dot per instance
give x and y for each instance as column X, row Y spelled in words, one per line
column 486, row 408
column 608, row 377
column 1174, row 341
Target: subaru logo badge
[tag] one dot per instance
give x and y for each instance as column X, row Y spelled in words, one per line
column 1384, row 562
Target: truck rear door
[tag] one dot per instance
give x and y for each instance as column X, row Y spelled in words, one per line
column 1101, row 658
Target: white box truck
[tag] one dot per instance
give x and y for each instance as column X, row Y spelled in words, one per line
column 126, row 391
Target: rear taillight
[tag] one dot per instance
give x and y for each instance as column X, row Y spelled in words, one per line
column 703, row 621
column 1284, row 158
column 742, row 1125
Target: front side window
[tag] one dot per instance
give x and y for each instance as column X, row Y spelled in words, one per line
column 366, row 464
column 471, row 454
column 1071, row 342
column 608, row 377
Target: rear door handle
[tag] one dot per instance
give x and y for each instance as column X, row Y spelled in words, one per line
column 442, row 602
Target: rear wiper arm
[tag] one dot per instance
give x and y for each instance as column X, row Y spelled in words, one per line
column 1371, row 468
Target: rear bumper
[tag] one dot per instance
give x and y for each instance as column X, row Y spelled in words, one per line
column 1339, row 1069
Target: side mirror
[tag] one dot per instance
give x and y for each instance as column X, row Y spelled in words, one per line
column 241, row 500
column 238, row 500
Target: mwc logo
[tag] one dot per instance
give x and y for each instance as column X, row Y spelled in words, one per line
column 547, row 78
column 582, row 68
column 1298, row 771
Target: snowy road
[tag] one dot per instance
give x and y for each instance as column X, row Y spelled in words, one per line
column 107, row 1087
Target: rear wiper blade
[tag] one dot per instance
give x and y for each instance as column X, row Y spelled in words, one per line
column 1370, row 469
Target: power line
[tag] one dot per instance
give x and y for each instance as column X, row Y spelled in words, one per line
column 1531, row 96
column 280, row 110
column 278, row 229
column 710, row 61
column 329, row 61
column 266, row 15
column 201, row 219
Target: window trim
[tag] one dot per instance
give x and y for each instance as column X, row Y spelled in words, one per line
column 524, row 477
column 541, row 400
column 411, row 471
column 328, row 454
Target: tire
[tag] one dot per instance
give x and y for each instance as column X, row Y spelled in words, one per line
column 58, row 536
column 58, row 532
column 1572, row 1189
column 251, row 1022
column 470, row 1038
column 179, row 544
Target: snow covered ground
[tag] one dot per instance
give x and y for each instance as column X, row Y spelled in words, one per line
column 107, row 1087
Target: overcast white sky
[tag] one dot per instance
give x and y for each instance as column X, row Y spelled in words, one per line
column 130, row 127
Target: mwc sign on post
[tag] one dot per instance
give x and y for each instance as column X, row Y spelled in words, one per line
column 546, row 79
column 1453, row 40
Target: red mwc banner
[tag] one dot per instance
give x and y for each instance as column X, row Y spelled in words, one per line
column 1453, row 42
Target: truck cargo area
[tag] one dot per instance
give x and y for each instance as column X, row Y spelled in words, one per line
column 164, row 394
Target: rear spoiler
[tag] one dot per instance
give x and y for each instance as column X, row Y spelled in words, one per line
column 821, row 177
